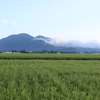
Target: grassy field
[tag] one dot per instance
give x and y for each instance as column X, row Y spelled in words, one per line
column 28, row 56
column 49, row 79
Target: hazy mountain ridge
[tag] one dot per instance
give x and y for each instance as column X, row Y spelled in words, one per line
column 27, row 42
column 24, row 41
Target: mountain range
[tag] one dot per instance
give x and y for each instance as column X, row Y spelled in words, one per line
column 27, row 42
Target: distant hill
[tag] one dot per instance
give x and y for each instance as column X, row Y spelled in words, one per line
column 24, row 41
column 27, row 42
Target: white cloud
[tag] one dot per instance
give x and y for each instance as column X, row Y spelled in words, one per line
column 59, row 41
column 5, row 21
column 14, row 23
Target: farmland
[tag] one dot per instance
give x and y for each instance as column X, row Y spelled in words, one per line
column 49, row 77
column 49, row 56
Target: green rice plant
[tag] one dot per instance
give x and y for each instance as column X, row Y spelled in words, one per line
column 28, row 56
column 49, row 80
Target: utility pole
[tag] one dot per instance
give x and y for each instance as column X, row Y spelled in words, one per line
column 2, row 48
column 96, row 49
column 31, row 48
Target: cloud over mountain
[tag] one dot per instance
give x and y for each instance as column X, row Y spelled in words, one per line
column 74, row 43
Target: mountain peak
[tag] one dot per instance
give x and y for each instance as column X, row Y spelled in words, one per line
column 24, row 34
column 41, row 37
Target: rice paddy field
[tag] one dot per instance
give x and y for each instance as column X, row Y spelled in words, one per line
column 49, row 77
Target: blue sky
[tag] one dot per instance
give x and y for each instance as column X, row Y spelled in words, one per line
column 68, row 19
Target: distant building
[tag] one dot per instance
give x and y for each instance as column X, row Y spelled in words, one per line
column 7, row 52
